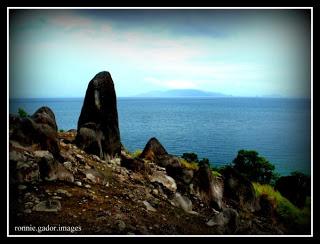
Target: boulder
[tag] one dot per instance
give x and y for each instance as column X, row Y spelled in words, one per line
column 27, row 171
column 40, row 129
column 95, row 176
column 155, row 152
column 183, row 202
column 52, row 170
column 295, row 188
column 239, row 189
column 98, row 127
column 226, row 222
column 208, row 187
column 166, row 181
column 48, row 206
column 45, row 115
column 134, row 164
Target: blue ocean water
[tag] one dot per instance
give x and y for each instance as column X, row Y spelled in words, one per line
column 215, row 128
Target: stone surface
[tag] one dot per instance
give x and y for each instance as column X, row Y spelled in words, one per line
column 207, row 187
column 239, row 189
column 165, row 180
column 182, row 202
column 48, row 206
column 227, row 221
column 98, row 127
column 149, row 207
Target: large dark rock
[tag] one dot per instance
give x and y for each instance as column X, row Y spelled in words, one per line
column 155, row 152
column 208, row 187
column 40, row 129
column 98, row 127
column 239, row 190
column 296, row 188
column 45, row 115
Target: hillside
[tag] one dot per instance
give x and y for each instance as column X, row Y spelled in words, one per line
column 182, row 93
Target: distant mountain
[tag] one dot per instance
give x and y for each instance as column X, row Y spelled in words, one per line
column 182, row 93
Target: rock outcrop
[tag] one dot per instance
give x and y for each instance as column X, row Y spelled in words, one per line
column 98, row 126
column 156, row 153
column 239, row 190
column 208, row 187
column 39, row 129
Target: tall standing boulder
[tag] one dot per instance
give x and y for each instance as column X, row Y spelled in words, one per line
column 98, row 127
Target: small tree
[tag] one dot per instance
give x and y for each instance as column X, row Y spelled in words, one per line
column 22, row 113
column 254, row 167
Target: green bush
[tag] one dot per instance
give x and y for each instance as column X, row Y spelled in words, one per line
column 254, row 167
column 61, row 130
column 190, row 157
column 22, row 113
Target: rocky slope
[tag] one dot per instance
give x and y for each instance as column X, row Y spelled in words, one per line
column 85, row 182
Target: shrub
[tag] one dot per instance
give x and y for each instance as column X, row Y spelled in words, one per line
column 190, row 157
column 22, row 113
column 254, row 167
column 61, row 130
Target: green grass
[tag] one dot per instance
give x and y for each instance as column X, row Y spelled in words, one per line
column 216, row 173
column 284, row 208
column 136, row 153
column 185, row 164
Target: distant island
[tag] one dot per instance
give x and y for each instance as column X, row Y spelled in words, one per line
column 182, row 93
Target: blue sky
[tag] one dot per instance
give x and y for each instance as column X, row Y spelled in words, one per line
column 55, row 53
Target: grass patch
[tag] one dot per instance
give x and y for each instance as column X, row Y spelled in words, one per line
column 188, row 165
column 284, row 208
column 136, row 153
column 216, row 173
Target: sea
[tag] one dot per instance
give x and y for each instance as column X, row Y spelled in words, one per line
column 279, row 129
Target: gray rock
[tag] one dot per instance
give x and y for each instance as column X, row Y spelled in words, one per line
column 149, row 207
column 17, row 156
column 48, row 206
column 165, row 180
column 43, row 154
column 64, row 192
column 182, row 202
column 95, row 176
column 227, row 221
column 121, row 225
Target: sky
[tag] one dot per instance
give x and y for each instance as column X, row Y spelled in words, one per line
column 239, row 52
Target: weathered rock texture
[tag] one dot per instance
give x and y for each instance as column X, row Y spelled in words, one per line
column 39, row 129
column 239, row 190
column 155, row 152
column 98, row 127
column 208, row 187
